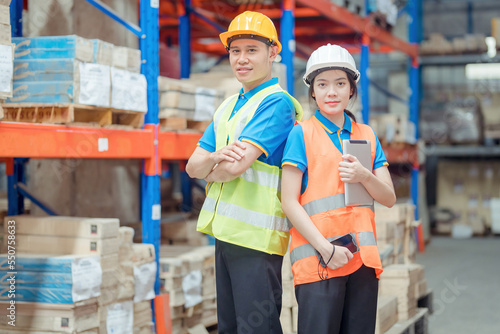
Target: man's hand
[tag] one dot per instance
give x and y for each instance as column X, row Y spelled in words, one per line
column 230, row 153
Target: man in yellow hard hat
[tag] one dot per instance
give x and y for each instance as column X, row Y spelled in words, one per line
column 240, row 156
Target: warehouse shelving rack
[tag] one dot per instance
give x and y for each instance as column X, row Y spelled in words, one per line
column 30, row 140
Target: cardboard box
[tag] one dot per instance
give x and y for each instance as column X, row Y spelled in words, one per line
column 103, row 52
column 65, row 245
column 60, row 318
column 5, row 34
column 4, row 14
column 54, row 47
column 90, row 228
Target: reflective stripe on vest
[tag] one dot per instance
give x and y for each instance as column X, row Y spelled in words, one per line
column 306, row 250
column 247, row 216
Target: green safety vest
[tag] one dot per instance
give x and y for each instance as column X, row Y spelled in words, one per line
column 247, row 210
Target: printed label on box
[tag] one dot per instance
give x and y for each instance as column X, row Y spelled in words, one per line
column 87, row 278
column 145, row 276
column 6, row 69
column 95, row 83
column 120, row 318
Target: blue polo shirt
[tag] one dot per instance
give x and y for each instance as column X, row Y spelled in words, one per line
column 295, row 150
column 268, row 128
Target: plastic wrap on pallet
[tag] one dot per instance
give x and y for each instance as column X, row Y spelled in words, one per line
column 57, row 280
column 61, row 81
column 50, row 47
column 433, row 126
column 464, row 120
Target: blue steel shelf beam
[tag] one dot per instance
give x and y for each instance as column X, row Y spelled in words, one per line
column 112, row 14
column 150, row 187
column 185, row 38
column 16, row 17
column 288, row 42
column 415, row 33
column 217, row 26
column 365, row 80
column 16, row 167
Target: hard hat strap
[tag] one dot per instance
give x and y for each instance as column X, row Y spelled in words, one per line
column 264, row 40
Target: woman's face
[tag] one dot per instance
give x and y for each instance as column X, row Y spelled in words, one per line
column 332, row 91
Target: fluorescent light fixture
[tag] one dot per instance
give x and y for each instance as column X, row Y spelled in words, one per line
column 482, row 71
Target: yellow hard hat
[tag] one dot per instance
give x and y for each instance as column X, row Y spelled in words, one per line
column 251, row 25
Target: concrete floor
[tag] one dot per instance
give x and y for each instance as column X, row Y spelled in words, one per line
column 464, row 276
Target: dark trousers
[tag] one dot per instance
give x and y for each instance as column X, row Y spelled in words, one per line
column 248, row 290
column 346, row 305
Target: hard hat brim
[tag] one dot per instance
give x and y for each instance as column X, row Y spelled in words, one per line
column 228, row 34
column 317, row 69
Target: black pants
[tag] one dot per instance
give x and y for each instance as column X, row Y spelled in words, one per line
column 248, row 290
column 346, row 305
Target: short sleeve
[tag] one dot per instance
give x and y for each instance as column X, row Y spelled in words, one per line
column 295, row 149
column 271, row 123
column 380, row 159
column 207, row 141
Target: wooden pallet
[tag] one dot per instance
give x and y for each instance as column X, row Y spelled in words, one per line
column 426, row 301
column 71, row 114
column 418, row 324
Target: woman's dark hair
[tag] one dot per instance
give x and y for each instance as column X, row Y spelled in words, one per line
column 354, row 95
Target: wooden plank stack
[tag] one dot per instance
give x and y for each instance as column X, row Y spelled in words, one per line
column 387, row 313
column 187, row 274
column 184, row 104
column 289, row 308
column 395, row 231
column 403, row 281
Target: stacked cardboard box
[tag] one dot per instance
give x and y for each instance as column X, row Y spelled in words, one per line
column 72, row 69
column 184, row 104
column 393, row 128
column 289, row 308
column 5, row 29
column 208, row 291
column 73, row 235
column 79, row 317
column 172, row 270
column 187, row 274
column 394, row 233
column 465, row 195
column 127, row 58
column 144, row 276
column 402, row 281
column 66, row 235
column 6, row 54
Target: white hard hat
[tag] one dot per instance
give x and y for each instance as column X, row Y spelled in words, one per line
column 328, row 57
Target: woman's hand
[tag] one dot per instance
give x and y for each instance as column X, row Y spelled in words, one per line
column 230, row 153
column 340, row 258
column 352, row 171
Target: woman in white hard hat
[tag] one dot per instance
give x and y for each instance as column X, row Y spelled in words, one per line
column 335, row 260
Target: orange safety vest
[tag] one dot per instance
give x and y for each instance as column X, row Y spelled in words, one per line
column 324, row 202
